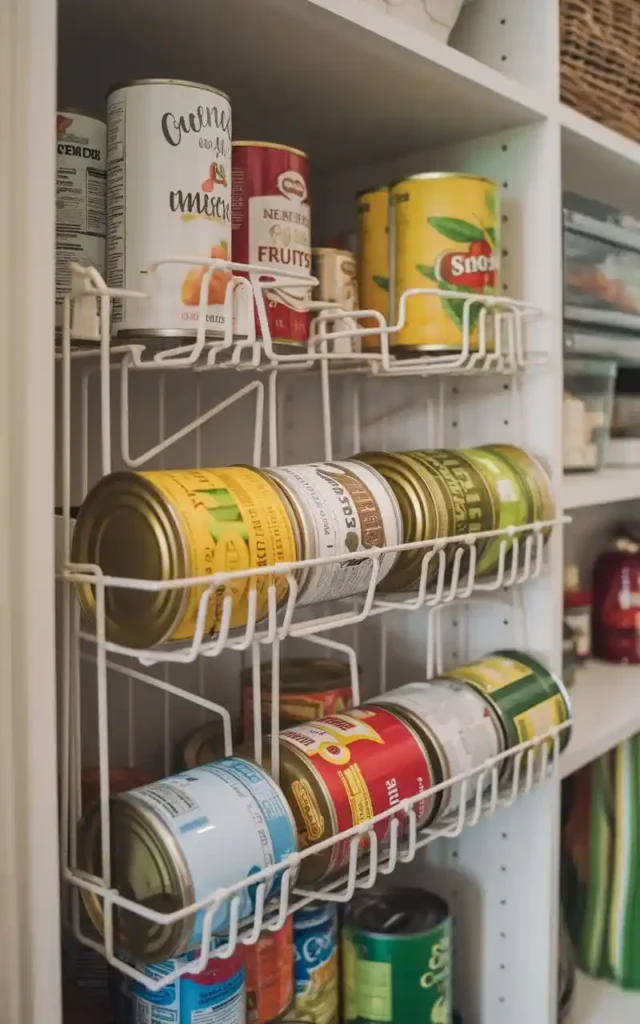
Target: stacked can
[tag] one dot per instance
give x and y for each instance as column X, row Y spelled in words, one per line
column 396, row 957
column 174, row 845
column 270, row 984
column 216, row 994
column 315, row 938
column 309, row 688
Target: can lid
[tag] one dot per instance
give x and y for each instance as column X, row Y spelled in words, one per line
column 202, row 746
column 147, row 867
column 127, row 528
column 302, row 675
column 271, row 145
column 397, row 913
column 167, row 81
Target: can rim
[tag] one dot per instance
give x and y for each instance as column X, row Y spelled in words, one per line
column 79, row 111
column 324, row 861
column 271, row 145
column 167, row 81
column 432, row 175
column 317, row 249
column 173, row 937
column 416, row 898
column 372, row 191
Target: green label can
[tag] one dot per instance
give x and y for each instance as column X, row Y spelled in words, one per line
column 396, row 958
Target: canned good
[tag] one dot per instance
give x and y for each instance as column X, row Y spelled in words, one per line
column 81, row 198
column 272, row 227
column 443, row 233
column 315, row 937
column 201, row 746
column 172, row 524
column 534, row 476
column 176, row 841
column 340, row 508
column 396, row 957
column 309, row 688
column 345, row 769
column 373, row 258
column 121, row 778
column 270, row 975
column 169, row 194
column 458, row 722
column 525, row 695
column 336, row 273
column 216, row 995
column 512, row 500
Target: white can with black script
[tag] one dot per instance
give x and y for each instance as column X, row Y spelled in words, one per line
column 81, row 205
column 168, row 196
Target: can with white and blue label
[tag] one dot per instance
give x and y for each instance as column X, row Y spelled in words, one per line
column 216, row 995
column 315, row 941
column 177, row 841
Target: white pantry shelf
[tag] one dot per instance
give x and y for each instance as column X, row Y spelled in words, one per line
column 606, row 711
column 598, row 1002
column 580, row 490
column 599, row 161
column 344, row 70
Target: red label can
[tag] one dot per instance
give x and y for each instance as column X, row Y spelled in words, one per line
column 270, row 982
column 271, row 225
column 348, row 768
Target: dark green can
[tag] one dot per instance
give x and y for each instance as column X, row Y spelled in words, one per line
column 396, row 958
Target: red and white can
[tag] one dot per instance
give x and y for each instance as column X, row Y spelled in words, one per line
column 271, row 226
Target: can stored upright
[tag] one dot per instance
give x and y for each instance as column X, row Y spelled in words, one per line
column 335, row 270
column 272, row 228
column 169, row 196
column 443, row 234
column 396, row 958
column 81, row 200
column 216, row 994
column 270, row 985
column 309, row 688
column 178, row 840
column 345, row 769
column 173, row 524
column 373, row 258
column 317, row 992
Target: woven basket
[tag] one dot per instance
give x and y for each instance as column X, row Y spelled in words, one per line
column 600, row 53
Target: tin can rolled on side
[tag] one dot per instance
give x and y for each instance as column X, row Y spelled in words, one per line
column 176, row 841
column 310, row 688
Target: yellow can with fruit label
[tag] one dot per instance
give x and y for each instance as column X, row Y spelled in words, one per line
column 178, row 524
column 444, row 233
column 373, row 258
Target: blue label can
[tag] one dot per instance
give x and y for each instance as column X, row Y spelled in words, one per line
column 315, row 941
column 178, row 840
column 215, row 996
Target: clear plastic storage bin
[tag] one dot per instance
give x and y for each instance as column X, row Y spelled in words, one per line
column 587, row 410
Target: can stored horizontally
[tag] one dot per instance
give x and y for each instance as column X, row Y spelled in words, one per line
column 512, row 501
column 341, row 508
column 534, row 476
column 458, row 721
column 317, row 993
column 81, row 199
column 443, row 234
column 216, row 995
column 172, row 524
column 272, row 228
column 169, row 195
column 345, row 769
column 373, row 258
column 527, row 697
column 201, row 745
column 309, row 688
column 270, row 984
column 396, row 958
column 121, row 778
column 176, row 841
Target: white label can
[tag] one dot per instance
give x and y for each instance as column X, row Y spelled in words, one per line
column 459, row 721
column 169, row 196
column 81, row 205
column 343, row 507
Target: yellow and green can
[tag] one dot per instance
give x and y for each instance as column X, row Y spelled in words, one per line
column 178, row 524
column 373, row 258
column 444, row 233
column 396, row 958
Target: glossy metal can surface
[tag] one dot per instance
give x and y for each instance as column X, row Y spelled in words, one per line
column 317, row 990
column 168, row 195
column 216, row 995
column 373, row 258
column 345, row 769
column 444, row 234
column 172, row 524
column 396, row 958
column 272, row 227
column 176, row 841
column 81, row 197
